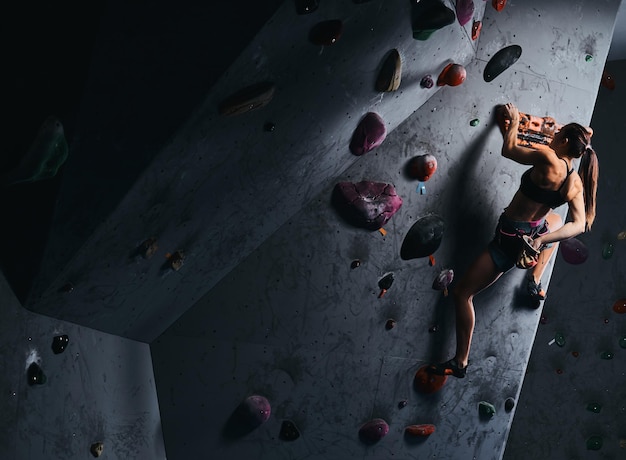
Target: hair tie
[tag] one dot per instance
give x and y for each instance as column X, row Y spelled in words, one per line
column 588, row 147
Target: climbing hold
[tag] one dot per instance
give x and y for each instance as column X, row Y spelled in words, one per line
column 35, row 375
column 421, row 188
column 607, row 81
column 44, row 157
column 509, row 404
column 366, row 204
column 59, row 343
column 148, row 247
column 355, row 264
column 374, row 430
column 269, row 127
column 176, row 260
column 385, row 284
column 559, row 371
column 288, row 431
column 369, row 134
column 67, row 288
column 452, row 75
column 486, row 409
column 606, row 355
column 594, row 407
column 620, row 306
column 390, row 73
column 423, row 238
column 573, row 251
column 427, row 81
column 622, row 341
column 427, row 382
column 498, row 4
column 428, row 16
column 501, row 61
column 431, row 260
column 306, row 6
column 464, row 11
column 594, row 442
column 543, row 319
column 559, row 338
column 588, row 58
column 476, row 28
column 249, row 98
column 475, row 122
column 326, row 33
column 402, row 404
column 96, row 449
column 421, row 167
column 443, row 280
column 621, row 236
column 575, row 354
column 254, row 411
column 425, row 429
column 390, row 324
column 434, row 328
column 607, row 250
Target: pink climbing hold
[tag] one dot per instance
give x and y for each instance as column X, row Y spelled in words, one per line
column 443, row 280
column 369, row 134
column 464, row 11
column 255, row 410
column 374, row 430
column 366, row 204
column 573, row 251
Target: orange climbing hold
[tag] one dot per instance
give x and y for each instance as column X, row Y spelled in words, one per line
column 498, row 4
column 620, row 306
column 476, row 28
column 420, row 430
column 427, row 382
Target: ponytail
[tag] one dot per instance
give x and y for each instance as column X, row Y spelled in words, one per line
column 588, row 172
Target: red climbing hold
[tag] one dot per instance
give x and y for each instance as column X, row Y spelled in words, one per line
column 427, row 382
column 498, row 4
column 620, row 306
column 420, row 430
column 452, row 75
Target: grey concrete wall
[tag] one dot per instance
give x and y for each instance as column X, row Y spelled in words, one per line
column 100, row 389
column 295, row 323
column 552, row 420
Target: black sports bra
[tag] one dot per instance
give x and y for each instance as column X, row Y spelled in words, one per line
column 550, row 198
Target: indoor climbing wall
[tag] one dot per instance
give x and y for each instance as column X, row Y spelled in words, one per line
column 228, row 180
column 312, row 346
column 574, row 396
column 67, row 389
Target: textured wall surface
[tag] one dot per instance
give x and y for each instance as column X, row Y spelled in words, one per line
column 295, row 323
column 100, row 389
column 552, row 420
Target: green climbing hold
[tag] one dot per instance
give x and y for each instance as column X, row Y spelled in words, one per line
column 475, row 122
column 594, row 407
column 594, row 442
column 607, row 250
column 606, row 355
column 589, row 58
column 622, row 341
column 559, row 338
column 486, row 409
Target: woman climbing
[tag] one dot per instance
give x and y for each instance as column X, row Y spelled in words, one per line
column 550, row 182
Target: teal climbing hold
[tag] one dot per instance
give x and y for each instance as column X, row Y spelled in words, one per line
column 594, row 442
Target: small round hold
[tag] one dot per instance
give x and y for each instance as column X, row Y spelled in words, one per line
column 390, row 324
column 509, row 404
column 543, row 320
column 67, row 287
column 589, row 58
column 355, row 264
column 475, row 122
column 433, row 328
column 606, row 320
column 559, row 371
column 269, row 127
column 402, row 404
column 575, row 354
column 427, row 82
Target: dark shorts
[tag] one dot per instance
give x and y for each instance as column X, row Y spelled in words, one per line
column 507, row 242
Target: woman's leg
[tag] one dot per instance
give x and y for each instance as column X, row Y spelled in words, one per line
column 554, row 222
column 480, row 275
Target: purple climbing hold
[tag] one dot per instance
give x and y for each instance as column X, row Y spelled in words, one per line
column 366, row 204
column 369, row 134
column 464, row 11
column 573, row 251
column 255, row 410
column 427, row 81
column 374, row 430
column 443, row 280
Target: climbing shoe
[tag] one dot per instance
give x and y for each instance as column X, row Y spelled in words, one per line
column 450, row 367
column 535, row 290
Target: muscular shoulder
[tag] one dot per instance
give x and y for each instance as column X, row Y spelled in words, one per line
column 573, row 187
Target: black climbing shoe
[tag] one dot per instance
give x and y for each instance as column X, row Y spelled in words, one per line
column 535, row 290
column 450, row 367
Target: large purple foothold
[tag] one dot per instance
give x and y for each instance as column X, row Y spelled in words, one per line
column 464, row 11
column 573, row 251
column 374, row 430
column 255, row 410
column 423, row 238
column 366, row 204
column 369, row 134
